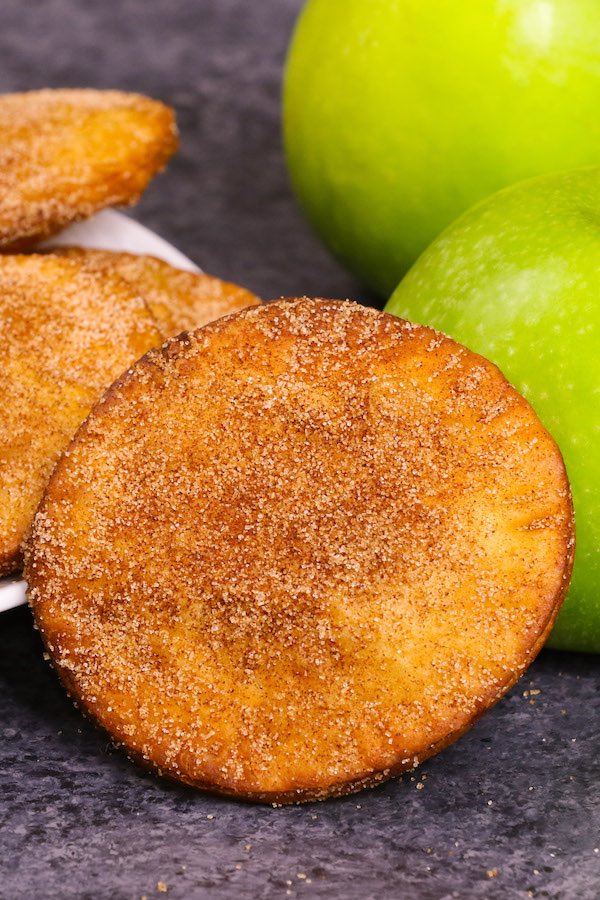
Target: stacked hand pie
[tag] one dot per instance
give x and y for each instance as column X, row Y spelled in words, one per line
column 65, row 154
column 288, row 553
column 72, row 320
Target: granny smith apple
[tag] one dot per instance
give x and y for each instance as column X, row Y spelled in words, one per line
column 400, row 114
column 517, row 279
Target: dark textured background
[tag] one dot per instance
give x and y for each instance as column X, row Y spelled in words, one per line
column 520, row 793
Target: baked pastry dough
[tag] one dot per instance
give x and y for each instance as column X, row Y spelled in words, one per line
column 179, row 300
column 300, row 550
column 65, row 154
column 66, row 335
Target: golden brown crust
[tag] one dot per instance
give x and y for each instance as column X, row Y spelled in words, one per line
column 312, row 544
column 65, row 154
column 179, row 300
column 65, row 335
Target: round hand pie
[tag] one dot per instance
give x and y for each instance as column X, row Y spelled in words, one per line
column 66, row 335
column 178, row 300
column 300, row 550
column 65, row 154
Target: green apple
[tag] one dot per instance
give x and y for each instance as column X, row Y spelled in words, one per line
column 517, row 278
column 400, row 114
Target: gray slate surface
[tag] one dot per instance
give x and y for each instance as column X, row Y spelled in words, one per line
column 520, row 793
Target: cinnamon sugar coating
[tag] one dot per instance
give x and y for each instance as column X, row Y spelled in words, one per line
column 178, row 300
column 65, row 154
column 66, row 335
column 300, row 550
